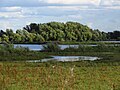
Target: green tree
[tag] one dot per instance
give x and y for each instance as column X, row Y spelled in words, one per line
column 5, row 38
column 17, row 38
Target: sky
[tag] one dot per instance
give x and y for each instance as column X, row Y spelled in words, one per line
column 97, row 14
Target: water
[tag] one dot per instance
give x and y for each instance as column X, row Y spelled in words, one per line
column 34, row 47
column 66, row 59
column 37, row 47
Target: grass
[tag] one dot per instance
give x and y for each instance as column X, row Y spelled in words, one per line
column 9, row 53
column 23, row 56
column 86, row 42
column 83, row 75
column 102, row 74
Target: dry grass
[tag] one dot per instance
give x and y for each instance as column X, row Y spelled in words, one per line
column 58, row 76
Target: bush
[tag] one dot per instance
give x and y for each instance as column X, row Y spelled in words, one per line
column 51, row 47
column 21, row 50
column 71, row 49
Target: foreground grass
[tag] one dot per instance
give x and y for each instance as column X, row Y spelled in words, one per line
column 83, row 75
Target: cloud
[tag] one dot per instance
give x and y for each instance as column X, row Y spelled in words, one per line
column 5, row 25
column 91, row 4
column 95, row 2
column 19, row 12
column 10, row 9
column 106, row 2
column 113, row 7
column 22, row 3
column 110, row 2
column 8, row 15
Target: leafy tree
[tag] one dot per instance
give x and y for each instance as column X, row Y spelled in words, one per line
column 114, row 35
column 5, row 38
column 39, row 38
column 17, row 38
column 2, row 33
column 33, row 27
column 56, row 31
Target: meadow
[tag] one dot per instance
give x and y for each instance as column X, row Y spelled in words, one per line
column 83, row 75
column 101, row 74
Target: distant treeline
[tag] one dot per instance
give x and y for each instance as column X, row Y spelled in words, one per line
column 56, row 31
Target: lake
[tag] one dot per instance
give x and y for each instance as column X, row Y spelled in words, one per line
column 66, row 59
column 38, row 47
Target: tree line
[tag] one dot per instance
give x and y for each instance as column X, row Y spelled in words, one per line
column 56, row 31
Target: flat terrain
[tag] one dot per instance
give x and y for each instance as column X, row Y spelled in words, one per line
column 103, row 74
column 83, row 75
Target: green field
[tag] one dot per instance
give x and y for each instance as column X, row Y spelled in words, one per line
column 83, row 75
column 103, row 74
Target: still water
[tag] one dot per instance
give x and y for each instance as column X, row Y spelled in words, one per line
column 66, row 59
column 37, row 47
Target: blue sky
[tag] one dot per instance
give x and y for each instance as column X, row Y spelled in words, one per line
column 97, row 14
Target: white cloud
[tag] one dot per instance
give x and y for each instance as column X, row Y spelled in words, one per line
column 95, row 2
column 11, row 9
column 11, row 15
column 76, row 16
column 6, row 25
column 113, row 7
column 110, row 2
column 117, row 2
column 76, row 8
column 106, row 2
column 16, row 13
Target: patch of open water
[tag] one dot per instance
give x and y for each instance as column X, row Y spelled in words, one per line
column 66, row 59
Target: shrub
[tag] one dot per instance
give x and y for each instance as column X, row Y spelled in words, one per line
column 51, row 47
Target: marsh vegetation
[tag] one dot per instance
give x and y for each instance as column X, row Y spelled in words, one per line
column 102, row 74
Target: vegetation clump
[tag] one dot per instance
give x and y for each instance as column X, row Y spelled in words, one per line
column 56, row 31
column 9, row 53
column 51, row 47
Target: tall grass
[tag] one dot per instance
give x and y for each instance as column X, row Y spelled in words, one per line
column 84, row 75
column 9, row 53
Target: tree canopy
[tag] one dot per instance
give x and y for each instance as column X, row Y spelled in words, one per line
column 56, row 31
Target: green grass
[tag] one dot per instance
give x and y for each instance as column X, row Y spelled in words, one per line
column 23, row 56
column 102, row 74
column 86, row 43
column 83, row 75
column 9, row 53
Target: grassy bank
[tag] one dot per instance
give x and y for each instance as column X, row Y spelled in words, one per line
column 9, row 53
